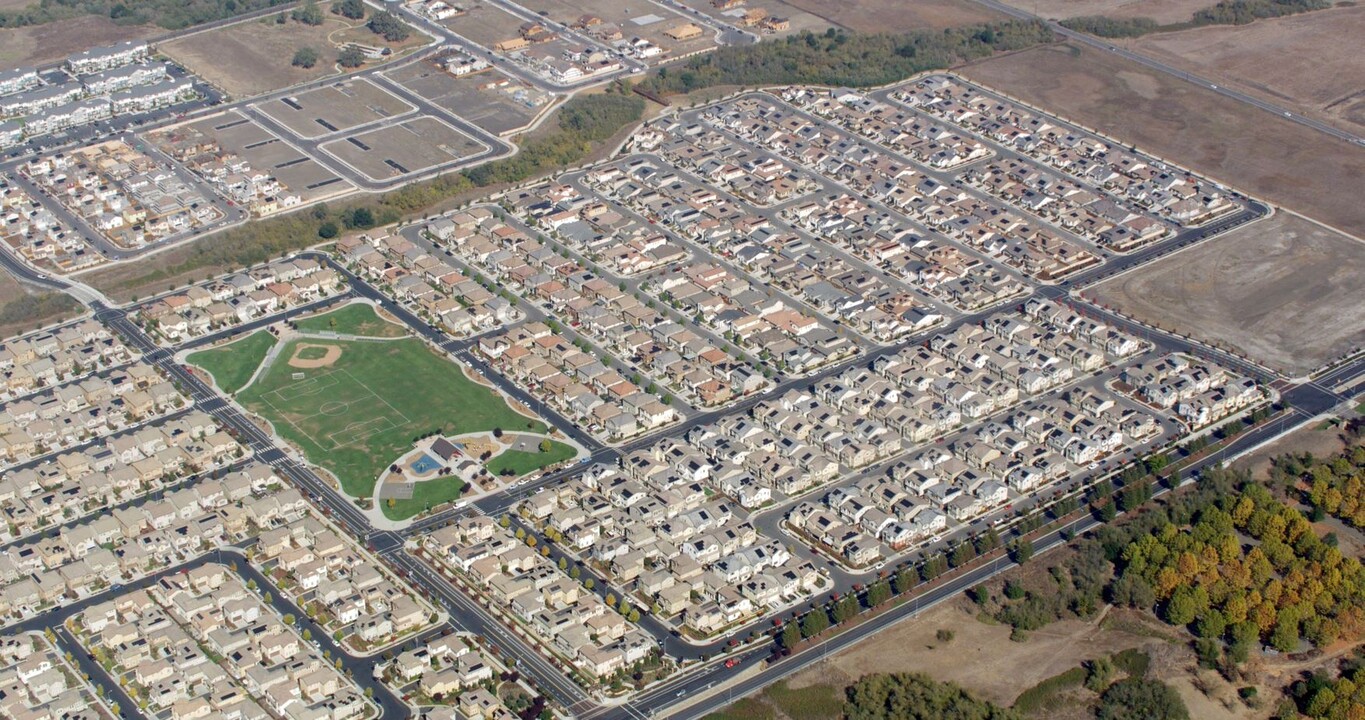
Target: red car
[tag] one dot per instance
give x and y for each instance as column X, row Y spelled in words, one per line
column 730, row 663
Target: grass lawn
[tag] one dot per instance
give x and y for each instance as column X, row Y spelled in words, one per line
column 352, row 319
column 232, row 365
column 520, row 462
column 815, row 702
column 745, row 709
column 360, row 414
column 425, row 495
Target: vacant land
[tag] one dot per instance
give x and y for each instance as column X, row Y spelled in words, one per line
column 896, row 15
column 1162, row 11
column 1284, row 291
column 232, row 365
column 21, row 311
column 239, row 135
column 1268, row 156
column 980, row 656
column 485, row 25
column 358, row 414
column 56, row 40
column 353, row 319
column 338, row 106
column 252, row 58
column 1281, row 60
column 508, row 106
column 408, row 147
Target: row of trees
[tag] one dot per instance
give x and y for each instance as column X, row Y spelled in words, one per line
column 840, row 58
column 1227, row 12
column 913, row 696
column 1108, row 27
column 169, row 14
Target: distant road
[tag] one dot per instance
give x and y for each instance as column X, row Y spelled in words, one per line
column 1106, row 46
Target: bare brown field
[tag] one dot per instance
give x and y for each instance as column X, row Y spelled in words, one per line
column 15, row 4
column 980, row 656
column 485, row 25
column 1306, row 62
column 1162, row 11
column 251, row 58
column 1284, row 291
column 896, row 15
column 11, row 290
column 1268, row 156
column 54, row 41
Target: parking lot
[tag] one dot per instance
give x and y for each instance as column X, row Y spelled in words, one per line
column 408, row 147
column 490, row 99
column 334, row 108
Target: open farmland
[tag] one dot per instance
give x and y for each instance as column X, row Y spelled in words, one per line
column 1284, row 290
column 1281, row 60
column 1162, row 11
column 55, row 40
column 1273, row 158
column 251, row 58
column 895, row 15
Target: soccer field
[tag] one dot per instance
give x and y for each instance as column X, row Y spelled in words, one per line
column 360, row 411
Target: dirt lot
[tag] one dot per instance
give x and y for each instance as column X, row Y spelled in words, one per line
column 980, row 656
column 485, row 25
column 338, row 106
column 264, row 151
column 895, row 15
column 252, row 58
column 1220, row 137
column 500, row 110
column 408, row 147
column 54, row 41
column 1162, row 11
column 1281, row 60
column 11, row 290
column 1284, row 291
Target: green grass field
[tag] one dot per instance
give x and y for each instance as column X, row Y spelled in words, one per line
column 520, row 462
column 352, row 319
column 359, row 415
column 232, row 365
column 425, row 495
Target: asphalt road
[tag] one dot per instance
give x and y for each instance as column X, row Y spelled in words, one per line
column 1106, row 46
column 1304, row 400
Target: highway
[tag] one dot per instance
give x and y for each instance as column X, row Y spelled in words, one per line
column 1104, row 45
